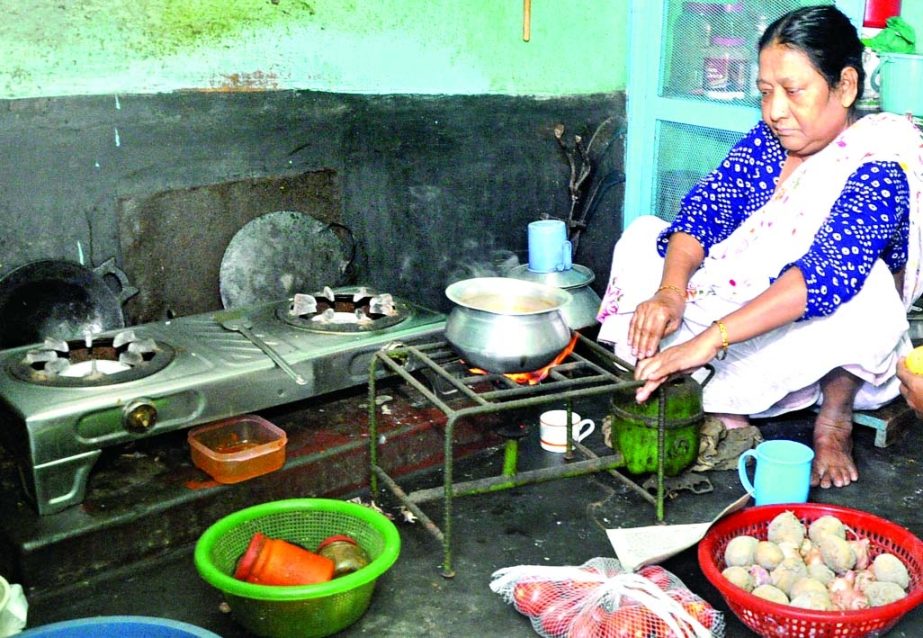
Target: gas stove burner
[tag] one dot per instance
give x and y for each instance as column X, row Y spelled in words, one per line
column 88, row 363
column 343, row 311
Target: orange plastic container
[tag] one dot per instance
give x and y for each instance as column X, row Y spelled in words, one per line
column 237, row 449
column 271, row 561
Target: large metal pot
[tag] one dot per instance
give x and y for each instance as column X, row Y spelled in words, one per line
column 581, row 312
column 506, row 325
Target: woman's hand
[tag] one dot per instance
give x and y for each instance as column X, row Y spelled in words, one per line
column 685, row 357
column 911, row 387
column 653, row 320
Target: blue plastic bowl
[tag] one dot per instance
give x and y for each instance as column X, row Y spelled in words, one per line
column 117, row 627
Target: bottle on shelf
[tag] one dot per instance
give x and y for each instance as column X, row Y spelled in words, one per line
column 726, row 68
column 692, row 33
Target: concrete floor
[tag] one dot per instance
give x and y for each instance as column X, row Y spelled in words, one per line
column 556, row 523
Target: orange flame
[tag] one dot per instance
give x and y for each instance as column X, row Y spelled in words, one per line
column 537, row 376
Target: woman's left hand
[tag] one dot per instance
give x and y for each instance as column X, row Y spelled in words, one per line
column 686, row 357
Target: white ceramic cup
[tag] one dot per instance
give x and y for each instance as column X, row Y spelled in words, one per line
column 553, row 430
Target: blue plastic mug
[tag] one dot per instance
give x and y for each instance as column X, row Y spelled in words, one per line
column 549, row 250
column 782, row 474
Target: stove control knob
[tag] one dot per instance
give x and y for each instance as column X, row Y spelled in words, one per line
column 139, row 416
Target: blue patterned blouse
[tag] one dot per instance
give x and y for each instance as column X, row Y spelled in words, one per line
column 870, row 218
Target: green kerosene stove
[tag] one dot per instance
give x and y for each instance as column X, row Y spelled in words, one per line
column 635, row 426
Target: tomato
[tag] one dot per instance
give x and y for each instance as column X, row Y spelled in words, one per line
column 629, row 622
column 577, row 589
column 701, row 611
column 590, row 623
column 556, row 619
column 532, row 596
column 627, row 601
column 695, row 606
column 657, row 575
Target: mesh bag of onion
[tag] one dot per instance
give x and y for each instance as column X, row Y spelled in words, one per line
column 599, row 599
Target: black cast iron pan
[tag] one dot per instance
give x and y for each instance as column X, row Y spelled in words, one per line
column 60, row 299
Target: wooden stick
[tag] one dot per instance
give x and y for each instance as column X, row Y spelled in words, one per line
column 526, row 20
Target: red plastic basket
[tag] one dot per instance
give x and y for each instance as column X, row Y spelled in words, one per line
column 783, row 621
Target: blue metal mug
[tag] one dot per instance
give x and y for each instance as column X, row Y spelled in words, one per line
column 549, row 250
column 782, row 474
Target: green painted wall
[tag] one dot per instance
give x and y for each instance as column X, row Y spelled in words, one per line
column 90, row 47
column 912, row 12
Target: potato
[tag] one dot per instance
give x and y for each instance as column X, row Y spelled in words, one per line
column 883, row 592
column 769, row 592
column 821, row 572
column 788, row 571
column 740, row 550
column 739, row 576
column 826, row 524
column 786, row 528
column 889, row 568
column 807, row 584
column 818, row 600
column 838, row 555
column 789, row 549
column 768, row 555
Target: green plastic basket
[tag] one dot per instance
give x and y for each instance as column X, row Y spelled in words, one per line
column 303, row 611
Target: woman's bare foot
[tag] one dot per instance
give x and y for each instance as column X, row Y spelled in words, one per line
column 732, row 421
column 833, row 462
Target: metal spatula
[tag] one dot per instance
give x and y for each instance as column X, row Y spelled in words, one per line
column 236, row 321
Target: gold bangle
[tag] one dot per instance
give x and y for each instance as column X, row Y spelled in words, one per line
column 676, row 289
column 725, row 342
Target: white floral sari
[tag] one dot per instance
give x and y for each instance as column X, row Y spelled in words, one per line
column 779, row 371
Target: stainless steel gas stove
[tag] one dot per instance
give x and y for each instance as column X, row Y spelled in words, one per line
column 62, row 403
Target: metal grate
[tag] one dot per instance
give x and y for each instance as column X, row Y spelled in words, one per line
column 589, row 369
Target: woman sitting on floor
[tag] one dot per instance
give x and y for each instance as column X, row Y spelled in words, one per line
column 780, row 266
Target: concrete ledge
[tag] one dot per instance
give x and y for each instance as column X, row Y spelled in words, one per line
column 148, row 500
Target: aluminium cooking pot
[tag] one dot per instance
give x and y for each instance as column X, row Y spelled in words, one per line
column 581, row 311
column 61, row 300
column 506, row 325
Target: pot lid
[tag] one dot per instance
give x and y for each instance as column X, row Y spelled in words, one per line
column 576, row 276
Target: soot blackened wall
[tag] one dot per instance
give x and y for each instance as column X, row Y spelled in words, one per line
column 433, row 189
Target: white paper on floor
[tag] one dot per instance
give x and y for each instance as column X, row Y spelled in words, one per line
column 639, row 546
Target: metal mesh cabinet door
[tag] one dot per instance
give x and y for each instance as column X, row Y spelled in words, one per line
column 692, row 91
